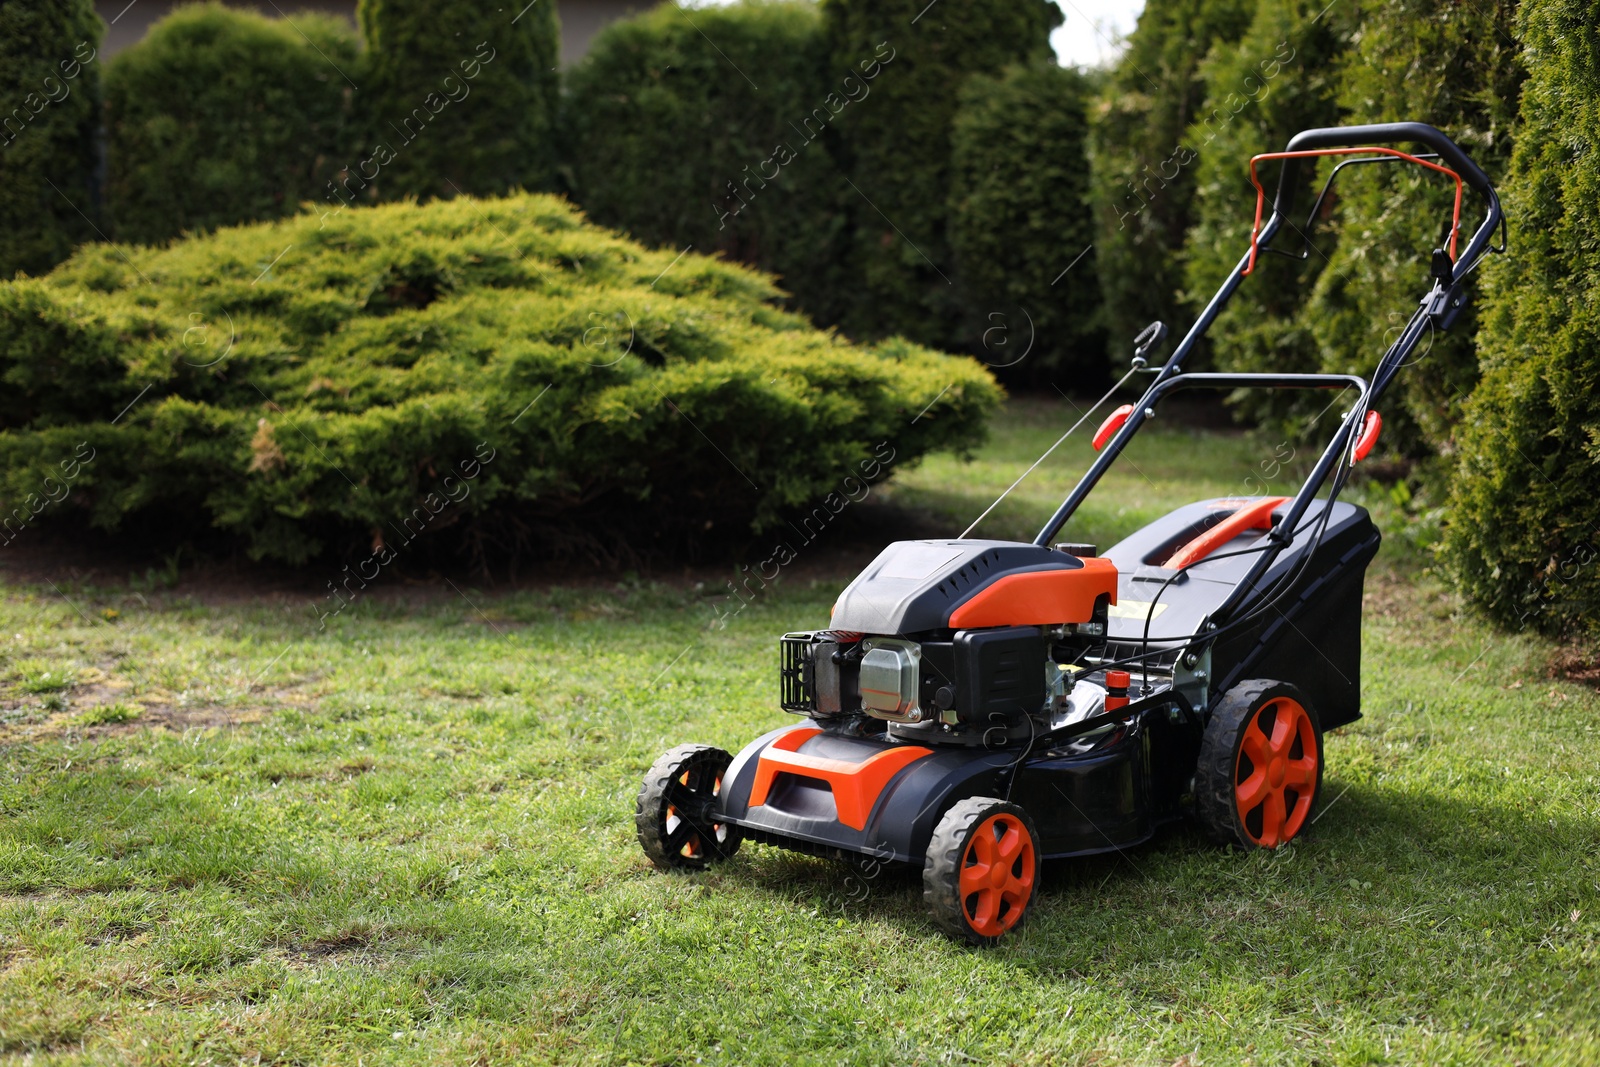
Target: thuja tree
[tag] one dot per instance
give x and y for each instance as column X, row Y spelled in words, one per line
column 1022, row 227
column 1144, row 160
column 457, row 97
column 715, row 133
column 1276, row 80
column 49, row 112
column 1457, row 67
column 896, row 145
column 222, row 116
column 1524, row 526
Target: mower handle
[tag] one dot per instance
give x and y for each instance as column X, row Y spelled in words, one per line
column 1396, row 133
column 1434, row 306
column 1379, row 133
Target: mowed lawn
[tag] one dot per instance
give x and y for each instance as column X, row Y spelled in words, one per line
column 228, row 837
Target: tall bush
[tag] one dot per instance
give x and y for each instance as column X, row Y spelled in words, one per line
column 49, row 114
column 222, row 116
column 1524, row 529
column 1144, row 160
column 1457, row 67
column 896, row 147
column 712, row 130
column 1281, row 77
column 1022, row 226
column 499, row 368
column 458, row 97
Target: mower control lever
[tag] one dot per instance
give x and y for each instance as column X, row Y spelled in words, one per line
column 1149, row 337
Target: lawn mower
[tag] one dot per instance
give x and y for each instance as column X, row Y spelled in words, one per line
column 977, row 706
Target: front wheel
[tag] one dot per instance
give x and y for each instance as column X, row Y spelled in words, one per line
column 1260, row 766
column 981, row 870
column 676, row 813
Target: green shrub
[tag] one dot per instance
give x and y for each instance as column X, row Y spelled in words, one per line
column 1279, row 78
column 1456, row 67
column 49, row 105
column 896, row 146
column 1020, row 216
column 667, row 140
column 1144, row 161
column 458, row 97
column 222, row 116
column 497, row 367
column 1525, row 520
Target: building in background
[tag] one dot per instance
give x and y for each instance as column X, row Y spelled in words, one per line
column 128, row 22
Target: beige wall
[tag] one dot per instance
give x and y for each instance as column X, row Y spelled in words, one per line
column 580, row 19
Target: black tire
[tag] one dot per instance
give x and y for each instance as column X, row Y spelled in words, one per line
column 677, row 809
column 981, row 915
column 1242, row 741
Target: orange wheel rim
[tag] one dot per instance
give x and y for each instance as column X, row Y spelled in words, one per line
column 997, row 874
column 1275, row 773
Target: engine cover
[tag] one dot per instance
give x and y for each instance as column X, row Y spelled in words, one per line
column 916, row 586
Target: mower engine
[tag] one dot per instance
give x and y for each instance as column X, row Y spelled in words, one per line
column 926, row 647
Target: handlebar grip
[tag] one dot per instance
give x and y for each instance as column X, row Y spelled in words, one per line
column 1379, row 133
column 1449, row 153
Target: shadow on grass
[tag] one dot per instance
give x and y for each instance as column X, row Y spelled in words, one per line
column 1382, row 865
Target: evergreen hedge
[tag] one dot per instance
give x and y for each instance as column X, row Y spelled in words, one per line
column 500, row 367
column 1020, row 216
column 1144, row 161
column 49, row 112
column 1279, row 78
column 457, row 97
column 666, row 139
column 222, row 116
column 1524, row 526
column 896, row 147
column 1458, row 68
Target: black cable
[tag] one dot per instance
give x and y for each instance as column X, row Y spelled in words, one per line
column 1016, row 764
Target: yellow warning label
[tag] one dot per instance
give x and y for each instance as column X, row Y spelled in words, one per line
column 1135, row 609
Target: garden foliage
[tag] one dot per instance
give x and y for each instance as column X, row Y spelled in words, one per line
column 1144, row 161
column 49, row 102
column 1524, row 528
column 1279, row 78
column 457, row 97
column 222, row 116
column 1020, row 217
column 668, row 140
column 897, row 150
column 1457, row 67
column 497, row 366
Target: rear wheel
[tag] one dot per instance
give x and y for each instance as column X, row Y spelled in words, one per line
column 981, row 870
column 676, row 814
column 1260, row 768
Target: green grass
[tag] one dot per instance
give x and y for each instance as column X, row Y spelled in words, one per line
column 109, row 714
column 408, row 839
